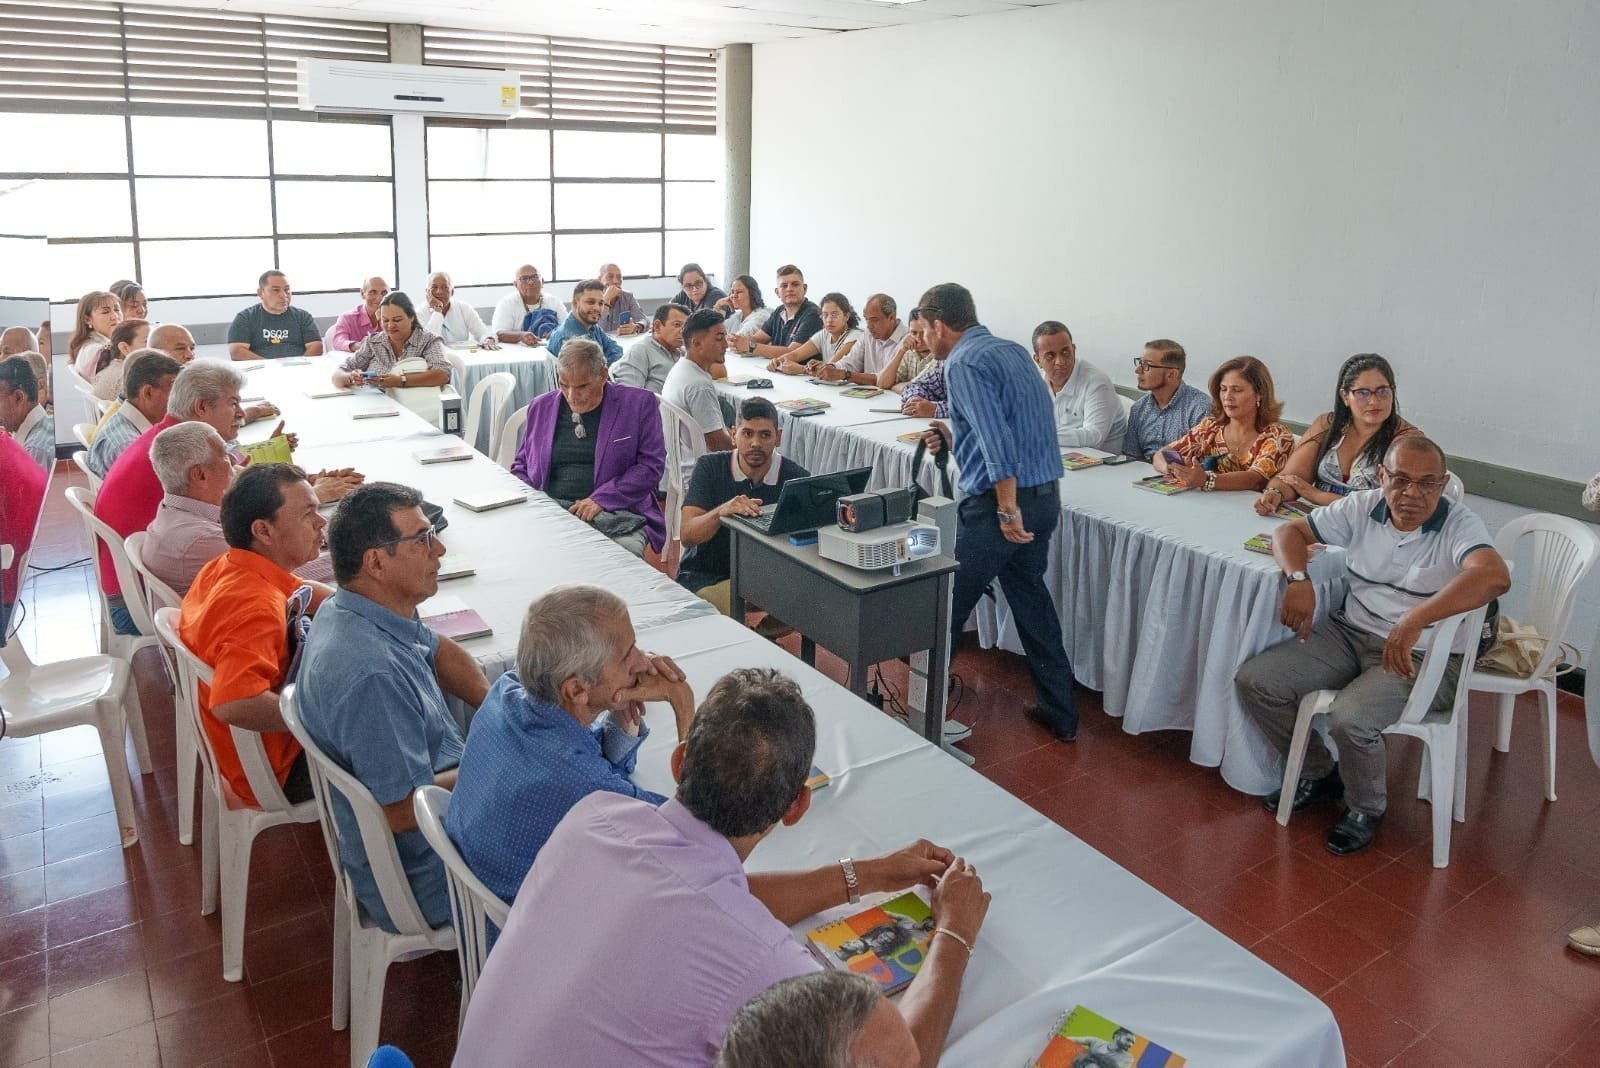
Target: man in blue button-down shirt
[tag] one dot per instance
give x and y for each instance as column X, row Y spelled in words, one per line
column 584, row 321
column 372, row 684
column 1004, row 439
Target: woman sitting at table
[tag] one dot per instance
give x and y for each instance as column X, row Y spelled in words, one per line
column 596, row 447
column 697, row 293
column 742, row 305
column 134, row 303
column 400, row 337
column 840, row 329
column 106, row 373
column 1241, row 444
column 1342, row 449
column 98, row 314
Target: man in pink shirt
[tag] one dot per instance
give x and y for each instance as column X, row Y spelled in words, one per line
column 637, row 936
column 354, row 325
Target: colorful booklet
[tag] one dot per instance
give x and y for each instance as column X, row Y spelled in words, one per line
column 1077, row 461
column 1293, row 510
column 887, row 943
column 451, row 618
column 1259, row 543
column 1162, row 485
column 797, row 403
column 1084, row 1039
column 862, row 392
column 817, row 779
column 447, row 454
column 274, row 450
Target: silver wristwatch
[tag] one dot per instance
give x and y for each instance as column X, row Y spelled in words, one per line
column 852, row 888
column 1298, row 576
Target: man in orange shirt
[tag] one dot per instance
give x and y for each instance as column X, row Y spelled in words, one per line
column 245, row 616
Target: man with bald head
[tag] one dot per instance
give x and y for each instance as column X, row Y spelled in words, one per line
column 20, row 342
column 455, row 321
column 527, row 315
column 354, row 325
column 873, row 351
column 1412, row 559
column 17, row 339
column 621, row 313
column 175, row 340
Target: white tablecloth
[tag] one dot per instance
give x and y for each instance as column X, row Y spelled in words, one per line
column 1066, row 926
column 531, row 367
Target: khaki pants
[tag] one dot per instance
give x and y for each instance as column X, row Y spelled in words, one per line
column 1336, row 656
column 718, row 594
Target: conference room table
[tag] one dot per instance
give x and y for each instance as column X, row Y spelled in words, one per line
column 1159, row 600
column 1067, row 926
column 530, row 365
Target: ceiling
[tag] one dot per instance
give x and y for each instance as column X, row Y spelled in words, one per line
column 679, row 22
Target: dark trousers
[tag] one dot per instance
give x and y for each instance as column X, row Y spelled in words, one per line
column 985, row 555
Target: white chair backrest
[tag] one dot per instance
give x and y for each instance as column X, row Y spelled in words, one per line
column 157, row 594
column 499, row 386
column 93, row 407
column 1563, row 552
column 1454, row 488
column 83, row 433
column 83, row 500
column 1431, row 671
column 80, row 460
column 12, row 652
column 1127, row 404
column 685, row 443
column 383, row 858
column 422, row 400
column 458, row 370
column 192, row 671
column 511, row 438
column 473, row 906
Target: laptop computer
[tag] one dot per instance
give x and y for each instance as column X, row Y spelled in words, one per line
column 807, row 503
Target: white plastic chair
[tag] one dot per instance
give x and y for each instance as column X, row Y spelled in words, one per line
column 89, row 690
column 511, row 438
column 93, row 407
column 473, row 906
column 1443, row 779
column 1564, row 551
column 681, row 432
column 363, row 951
column 1454, row 488
column 83, row 433
column 499, row 386
column 156, row 596
column 228, row 827
column 1127, row 404
column 121, row 646
column 80, row 460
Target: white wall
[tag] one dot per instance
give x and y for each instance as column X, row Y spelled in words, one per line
column 1292, row 179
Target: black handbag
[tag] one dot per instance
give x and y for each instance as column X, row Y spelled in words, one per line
column 941, row 460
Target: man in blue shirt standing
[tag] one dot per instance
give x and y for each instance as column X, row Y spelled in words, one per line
column 1004, row 439
column 373, row 679
column 584, row 321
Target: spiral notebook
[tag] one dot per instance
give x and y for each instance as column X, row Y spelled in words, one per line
column 887, row 943
column 449, row 617
column 1083, row 1037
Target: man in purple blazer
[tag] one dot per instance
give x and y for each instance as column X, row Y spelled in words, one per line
column 596, row 447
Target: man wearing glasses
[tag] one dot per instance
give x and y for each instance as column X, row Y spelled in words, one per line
column 373, row 681
column 527, row 315
column 1412, row 559
column 1170, row 405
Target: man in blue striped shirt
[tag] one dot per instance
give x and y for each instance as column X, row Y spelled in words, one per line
column 1004, row 439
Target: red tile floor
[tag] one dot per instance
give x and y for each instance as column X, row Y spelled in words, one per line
column 105, row 959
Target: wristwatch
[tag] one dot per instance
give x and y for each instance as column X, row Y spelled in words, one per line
column 1211, row 482
column 851, row 886
column 402, row 380
column 1298, row 576
column 1007, row 517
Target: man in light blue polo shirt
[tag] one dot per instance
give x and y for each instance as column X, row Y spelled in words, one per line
column 373, row 680
column 1412, row 559
column 584, row 321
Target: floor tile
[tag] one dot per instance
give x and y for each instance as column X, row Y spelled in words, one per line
column 133, row 1048
column 85, row 874
column 97, row 1011
column 21, row 892
column 68, row 840
column 1372, row 1033
column 312, row 1045
column 209, row 1030
column 288, row 1000
column 185, row 982
column 26, row 982
column 84, row 963
column 24, row 1035
column 21, row 853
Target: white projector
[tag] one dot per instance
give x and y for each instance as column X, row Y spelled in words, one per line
column 872, row 550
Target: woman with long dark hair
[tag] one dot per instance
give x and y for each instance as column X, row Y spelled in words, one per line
column 841, row 327
column 399, row 337
column 697, row 293
column 98, row 314
column 1342, row 449
column 129, row 336
column 743, row 306
column 1241, row 444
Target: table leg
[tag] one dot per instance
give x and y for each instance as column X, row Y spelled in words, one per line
column 736, row 607
column 939, row 675
column 808, row 651
column 858, row 675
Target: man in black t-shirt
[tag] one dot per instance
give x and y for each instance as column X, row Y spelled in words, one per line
column 791, row 323
column 730, row 483
column 272, row 328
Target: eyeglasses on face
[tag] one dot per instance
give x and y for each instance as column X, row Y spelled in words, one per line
column 1425, row 486
column 427, row 536
column 1362, row 396
column 527, row 279
column 1142, row 364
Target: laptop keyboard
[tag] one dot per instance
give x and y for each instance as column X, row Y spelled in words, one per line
column 763, row 522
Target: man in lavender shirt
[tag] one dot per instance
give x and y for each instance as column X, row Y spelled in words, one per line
column 354, row 325
column 637, row 935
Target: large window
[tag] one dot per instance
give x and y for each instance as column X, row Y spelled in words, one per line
column 613, row 158
column 161, row 144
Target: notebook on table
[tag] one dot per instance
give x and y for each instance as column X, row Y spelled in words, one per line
column 275, row 450
column 1085, row 1039
column 803, row 404
column 887, row 943
column 450, row 617
column 861, row 392
column 1161, row 484
column 489, row 500
column 446, row 454
column 330, row 391
column 452, row 566
column 1078, row 459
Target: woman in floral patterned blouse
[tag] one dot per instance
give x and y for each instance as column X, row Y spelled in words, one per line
column 1241, row 444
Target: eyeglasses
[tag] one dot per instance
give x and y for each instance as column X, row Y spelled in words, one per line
column 1142, row 364
column 1425, row 486
column 1383, row 393
column 527, row 278
column 427, row 535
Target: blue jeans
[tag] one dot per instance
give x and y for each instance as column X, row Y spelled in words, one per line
column 986, row 555
column 121, row 618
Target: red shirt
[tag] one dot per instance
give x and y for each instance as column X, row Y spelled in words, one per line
column 129, row 497
column 22, row 486
column 233, row 619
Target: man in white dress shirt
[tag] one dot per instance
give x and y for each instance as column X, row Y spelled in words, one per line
column 455, row 321
column 22, row 414
column 874, row 349
column 1088, row 411
column 649, row 360
column 527, row 315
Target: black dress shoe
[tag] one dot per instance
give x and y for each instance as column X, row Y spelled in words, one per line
column 1060, row 733
column 1308, row 792
column 1353, row 833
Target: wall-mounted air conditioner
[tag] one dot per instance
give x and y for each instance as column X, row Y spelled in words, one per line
column 342, row 87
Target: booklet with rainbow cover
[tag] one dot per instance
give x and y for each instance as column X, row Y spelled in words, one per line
column 1293, row 510
column 886, row 943
column 1161, row 484
column 1085, row 1039
column 272, row 451
column 797, row 403
column 1077, row 461
column 1259, row 543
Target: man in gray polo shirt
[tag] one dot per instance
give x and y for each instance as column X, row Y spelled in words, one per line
column 649, row 360
column 1412, row 559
